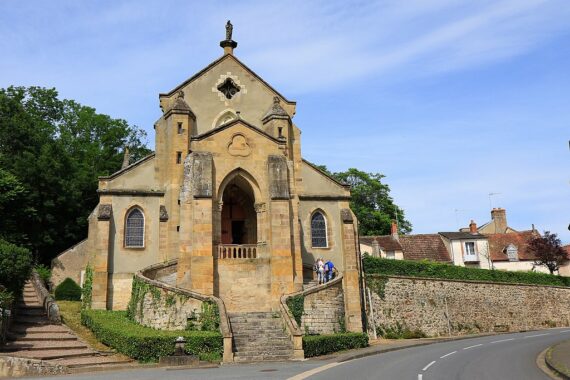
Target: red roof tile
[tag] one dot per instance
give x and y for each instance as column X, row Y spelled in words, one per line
column 386, row 242
column 499, row 242
column 427, row 246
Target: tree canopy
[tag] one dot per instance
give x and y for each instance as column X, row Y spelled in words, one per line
column 51, row 153
column 548, row 251
column 371, row 202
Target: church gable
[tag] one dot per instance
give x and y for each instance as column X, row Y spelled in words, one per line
column 137, row 176
column 316, row 182
column 222, row 91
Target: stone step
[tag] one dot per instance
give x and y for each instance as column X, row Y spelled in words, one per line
column 259, row 358
column 23, row 305
column 253, row 331
column 42, row 345
column 93, row 361
column 43, row 336
column 32, row 312
column 32, row 320
column 54, row 354
column 27, row 329
column 255, row 339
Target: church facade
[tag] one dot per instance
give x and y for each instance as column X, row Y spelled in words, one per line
column 228, row 195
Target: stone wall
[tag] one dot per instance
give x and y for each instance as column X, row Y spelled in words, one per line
column 324, row 311
column 163, row 309
column 70, row 263
column 437, row 307
column 16, row 367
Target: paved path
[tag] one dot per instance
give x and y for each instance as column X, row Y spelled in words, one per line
column 497, row 357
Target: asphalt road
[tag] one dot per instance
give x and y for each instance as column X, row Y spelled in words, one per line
column 498, row 357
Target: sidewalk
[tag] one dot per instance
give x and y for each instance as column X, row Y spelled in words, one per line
column 558, row 359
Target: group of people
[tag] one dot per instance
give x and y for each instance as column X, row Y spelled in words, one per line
column 326, row 271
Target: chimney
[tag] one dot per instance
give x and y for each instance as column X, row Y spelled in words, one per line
column 499, row 217
column 473, row 227
column 394, row 230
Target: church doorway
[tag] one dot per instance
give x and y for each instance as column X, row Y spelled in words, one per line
column 239, row 219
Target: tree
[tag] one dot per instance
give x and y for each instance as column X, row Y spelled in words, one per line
column 371, row 202
column 56, row 149
column 548, row 251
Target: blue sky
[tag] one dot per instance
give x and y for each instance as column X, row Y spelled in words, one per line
column 451, row 100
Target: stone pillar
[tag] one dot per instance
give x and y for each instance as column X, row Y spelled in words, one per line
column 351, row 280
column 101, row 256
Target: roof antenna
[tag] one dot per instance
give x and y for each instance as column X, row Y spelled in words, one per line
column 490, row 203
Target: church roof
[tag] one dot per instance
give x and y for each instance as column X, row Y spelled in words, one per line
column 232, row 123
column 218, row 61
column 128, row 168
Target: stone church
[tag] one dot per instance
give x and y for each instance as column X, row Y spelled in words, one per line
column 227, row 195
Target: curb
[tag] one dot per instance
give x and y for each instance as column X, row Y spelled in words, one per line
column 563, row 374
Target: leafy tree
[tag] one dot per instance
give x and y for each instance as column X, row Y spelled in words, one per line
column 371, row 202
column 56, row 149
column 15, row 266
column 548, row 251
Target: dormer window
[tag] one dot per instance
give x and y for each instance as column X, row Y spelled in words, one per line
column 512, row 252
column 228, row 88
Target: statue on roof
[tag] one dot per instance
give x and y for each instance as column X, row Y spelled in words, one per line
column 229, row 30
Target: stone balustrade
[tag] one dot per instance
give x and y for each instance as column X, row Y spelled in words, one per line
column 237, row 251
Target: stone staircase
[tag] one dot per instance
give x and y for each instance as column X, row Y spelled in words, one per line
column 309, row 283
column 32, row 336
column 260, row 337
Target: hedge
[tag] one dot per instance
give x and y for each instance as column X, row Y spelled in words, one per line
column 15, row 266
column 373, row 265
column 68, row 290
column 146, row 344
column 315, row 345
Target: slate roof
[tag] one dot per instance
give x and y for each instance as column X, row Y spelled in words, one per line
column 425, row 246
column 386, row 242
column 498, row 243
column 462, row 235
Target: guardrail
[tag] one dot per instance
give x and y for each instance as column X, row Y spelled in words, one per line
column 237, row 251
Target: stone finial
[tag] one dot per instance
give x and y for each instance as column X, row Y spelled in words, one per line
column 105, row 211
column 228, row 44
column 126, row 158
column 180, row 94
column 346, row 216
column 275, row 111
column 163, row 214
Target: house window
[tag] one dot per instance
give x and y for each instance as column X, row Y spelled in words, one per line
column 180, row 128
column 391, row 255
column 134, row 229
column 470, row 254
column 178, row 157
column 318, row 230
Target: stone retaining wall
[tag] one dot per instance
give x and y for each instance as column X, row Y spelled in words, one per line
column 16, row 367
column 324, row 311
column 437, row 307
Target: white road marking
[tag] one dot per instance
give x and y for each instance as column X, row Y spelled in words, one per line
column 476, row 345
column 446, row 355
column 420, row 376
column 314, row 371
column 427, row 366
column 502, row 340
column 532, row 336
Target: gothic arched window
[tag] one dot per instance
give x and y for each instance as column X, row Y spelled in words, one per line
column 134, row 229
column 318, row 230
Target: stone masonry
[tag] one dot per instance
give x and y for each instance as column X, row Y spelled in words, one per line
column 438, row 307
column 324, row 311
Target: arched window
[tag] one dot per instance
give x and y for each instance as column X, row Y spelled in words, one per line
column 134, row 229
column 318, row 230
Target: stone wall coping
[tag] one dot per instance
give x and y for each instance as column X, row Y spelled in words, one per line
column 224, row 321
column 467, row 281
column 29, row 367
column 47, row 301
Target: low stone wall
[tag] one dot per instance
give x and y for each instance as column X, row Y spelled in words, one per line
column 440, row 307
column 70, row 263
column 324, row 311
column 15, row 367
column 163, row 309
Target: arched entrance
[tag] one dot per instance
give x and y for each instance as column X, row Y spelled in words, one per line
column 238, row 219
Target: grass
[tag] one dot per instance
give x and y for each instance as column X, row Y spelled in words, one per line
column 71, row 315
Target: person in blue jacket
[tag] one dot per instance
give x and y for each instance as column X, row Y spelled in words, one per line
column 329, row 271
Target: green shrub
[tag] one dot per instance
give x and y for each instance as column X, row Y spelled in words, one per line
column 15, row 266
column 145, row 344
column 87, row 290
column 315, row 345
column 399, row 331
column 297, row 307
column 377, row 266
column 6, row 299
column 44, row 272
column 68, row 290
